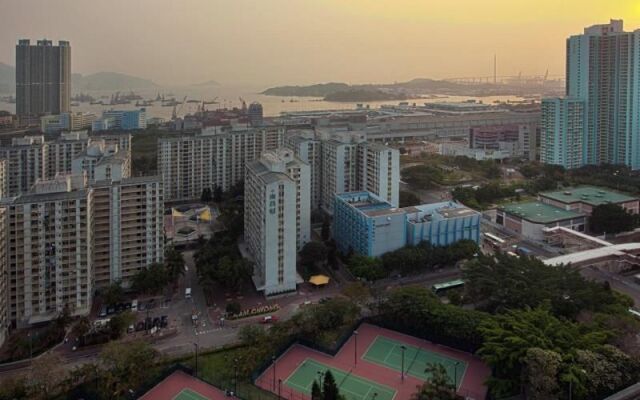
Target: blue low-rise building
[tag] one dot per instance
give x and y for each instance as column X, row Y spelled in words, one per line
column 367, row 225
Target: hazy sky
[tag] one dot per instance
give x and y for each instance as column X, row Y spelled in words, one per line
column 303, row 41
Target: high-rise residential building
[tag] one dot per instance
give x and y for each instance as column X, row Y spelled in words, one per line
column 277, row 214
column 603, row 70
column 128, row 228
column 4, row 278
column 102, row 162
column 339, row 167
column 43, row 77
column 344, row 161
column 59, row 153
column 50, row 251
column 4, row 179
column 25, row 163
column 214, row 158
column 562, row 130
column 309, row 149
column 69, row 235
column 379, row 171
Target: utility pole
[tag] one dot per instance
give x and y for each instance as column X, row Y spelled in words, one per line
column 403, row 348
column 196, row 346
column 495, row 69
column 355, row 348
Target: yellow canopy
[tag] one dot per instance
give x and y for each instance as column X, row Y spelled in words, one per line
column 319, row 280
column 205, row 215
column 176, row 213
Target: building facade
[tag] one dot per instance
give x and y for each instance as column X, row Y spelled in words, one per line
column 215, row 158
column 603, row 70
column 50, row 251
column 530, row 219
column 125, row 120
column 367, row 224
column 43, row 77
column 128, row 229
column 270, row 219
column 562, row 128
column 4, row 278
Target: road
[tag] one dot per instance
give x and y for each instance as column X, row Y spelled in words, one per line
column 623, row 284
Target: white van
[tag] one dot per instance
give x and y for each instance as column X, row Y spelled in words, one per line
column 187, row 293
column 134, row 305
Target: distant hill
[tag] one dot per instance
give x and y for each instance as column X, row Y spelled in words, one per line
column 318, row 90
column 109, row 81
column 7, row 78
column 79, row 82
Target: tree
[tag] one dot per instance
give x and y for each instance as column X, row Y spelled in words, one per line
column 610, row 218
column 217, row 194
column 329, row 387
column 326, row 229
column 126, row 365
column 438, row 387
column 540, row 374
column 368, row 268
column 206, row 195
column 357, row 292
column 251, row 335
column 118, row 324
column 113, row 294
column 408, row 199
column 14, row 388
column 316, row 392
column 82, row 327
column 233, row 308
column 174, row 262
column 47, row 373
column 313, row 253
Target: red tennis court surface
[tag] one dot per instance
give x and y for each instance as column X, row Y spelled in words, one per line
column 181, row 385
column 471, row 386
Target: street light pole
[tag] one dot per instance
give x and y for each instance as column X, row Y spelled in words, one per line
column 273, row 361
column 279, row 388
column 455, row 377
column 235, row 382
column 403, row 348
column 196, row 346
column 355, row 348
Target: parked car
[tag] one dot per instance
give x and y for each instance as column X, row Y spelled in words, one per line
column 103, row 312
column 164, row 321
column 269, row 319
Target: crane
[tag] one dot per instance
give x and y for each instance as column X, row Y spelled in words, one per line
column 182, row 105
column 244, row 104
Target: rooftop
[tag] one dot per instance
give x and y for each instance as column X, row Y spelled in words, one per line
column 540, row 213
column 369, row 204
column 438, row 211
column 589, row 195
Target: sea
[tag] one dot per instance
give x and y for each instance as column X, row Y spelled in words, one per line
column 232, row 96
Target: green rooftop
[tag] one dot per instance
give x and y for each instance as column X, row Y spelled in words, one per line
column 591, row 195
column 540, row 213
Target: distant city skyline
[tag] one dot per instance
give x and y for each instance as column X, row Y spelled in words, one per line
column 301, row 42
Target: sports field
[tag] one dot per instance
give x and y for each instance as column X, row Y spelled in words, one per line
column 353, row 387
column 187, row 394
column 388, row 352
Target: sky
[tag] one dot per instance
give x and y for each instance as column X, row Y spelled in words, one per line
column 274, row 42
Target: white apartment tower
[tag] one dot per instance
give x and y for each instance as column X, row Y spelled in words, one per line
column 215, row 158
column 379, row 171
column 309, row 149
column 277, row 215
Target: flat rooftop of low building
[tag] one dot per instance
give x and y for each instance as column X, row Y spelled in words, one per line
column 438, row 211
column 369, row 204
column 540, row 213
column 589, row 195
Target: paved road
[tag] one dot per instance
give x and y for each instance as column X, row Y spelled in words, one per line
column 623, row 284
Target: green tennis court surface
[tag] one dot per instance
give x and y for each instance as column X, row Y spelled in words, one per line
column 187, row 394
column 352, row 387
column 388, row 352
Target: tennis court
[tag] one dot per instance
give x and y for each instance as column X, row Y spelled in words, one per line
column 188, row 394
column 388, row 352
column 351, row 386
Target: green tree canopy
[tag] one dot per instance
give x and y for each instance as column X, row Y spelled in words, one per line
column 611, row 218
